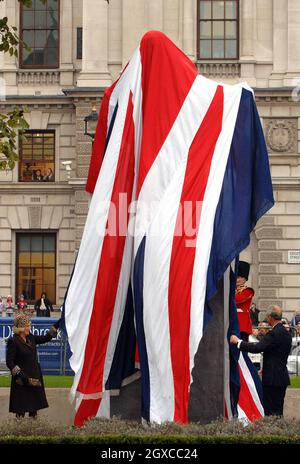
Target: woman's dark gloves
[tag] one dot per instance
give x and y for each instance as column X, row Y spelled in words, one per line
column 57, row 324
column 22, row 379
column 54, row 329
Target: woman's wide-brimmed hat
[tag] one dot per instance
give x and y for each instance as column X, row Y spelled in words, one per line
column 21, row 321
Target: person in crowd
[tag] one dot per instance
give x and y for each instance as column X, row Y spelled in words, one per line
column 38, row 176
column 286, row 324
column 254, row 314
column 9, row 306
column 255, row 357
column 276, row 346
column 243, row 299
column 298, row 329
column 262, row 330
column 2, row 308
column 49, row 177
column 27, row 174
column 295, row 319
column 43, row 306
column 27, row 392
column 21, row 303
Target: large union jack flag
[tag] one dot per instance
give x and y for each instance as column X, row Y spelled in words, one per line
column 179, row 176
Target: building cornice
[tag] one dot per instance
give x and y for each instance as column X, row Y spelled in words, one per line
column 275, row 95
column 82, row 92
column 21, row 188
column 38, row 100
column 286, row 183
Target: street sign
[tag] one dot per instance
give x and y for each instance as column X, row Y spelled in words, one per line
column 293, row 256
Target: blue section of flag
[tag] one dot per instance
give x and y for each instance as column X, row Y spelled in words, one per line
column 111, row 125
column 138, row 283
column 246, row 195
column 234, row 352
column 62, row 325
column 123, row 364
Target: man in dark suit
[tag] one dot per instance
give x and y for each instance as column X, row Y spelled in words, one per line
column 276, row 346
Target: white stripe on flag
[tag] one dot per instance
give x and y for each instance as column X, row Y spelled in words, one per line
column 83, row 284
column 104, row 408
column 250, row 383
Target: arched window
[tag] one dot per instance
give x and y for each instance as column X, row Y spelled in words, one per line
column 39, row 29
column 218, row 29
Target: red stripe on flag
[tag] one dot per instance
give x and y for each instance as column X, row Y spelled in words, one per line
column 160, row 79
column 182, row 259
column 225, row 410
column 109, row 268
column 86, row 410
column 246, row 401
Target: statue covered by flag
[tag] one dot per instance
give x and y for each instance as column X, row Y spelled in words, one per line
column 179, row 176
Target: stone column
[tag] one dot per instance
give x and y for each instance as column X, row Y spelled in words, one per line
column 247, row 52
column 66, row 43
column 189, row 15
column 171, row 19
column 292, row 77
column 2, row 15
column 155, row 15
column 10, row 63
column 134, row 26
column 94, row 71
column 248, row 16
column 280, row 42
column 206, row 401
column 115, row 38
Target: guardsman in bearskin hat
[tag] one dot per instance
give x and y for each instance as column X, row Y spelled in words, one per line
column 243, row 299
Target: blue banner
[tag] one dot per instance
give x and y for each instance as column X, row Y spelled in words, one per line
column 53, row 356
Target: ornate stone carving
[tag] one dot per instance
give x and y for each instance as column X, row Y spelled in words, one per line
column 281, row 135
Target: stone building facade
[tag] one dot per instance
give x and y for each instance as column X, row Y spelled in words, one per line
column 91, row 42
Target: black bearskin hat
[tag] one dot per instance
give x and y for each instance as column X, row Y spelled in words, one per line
column 243, row 269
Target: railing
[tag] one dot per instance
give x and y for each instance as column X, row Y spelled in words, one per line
column 219, row 69
column 53, row 356
column 38, row 77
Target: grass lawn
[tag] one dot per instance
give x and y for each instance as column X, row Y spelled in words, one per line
column 295, row 382
column 61, row 381
column 51, row 381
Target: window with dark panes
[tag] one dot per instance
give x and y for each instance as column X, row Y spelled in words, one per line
column 79, row 43
column 36, row 266
column 218, row 29
column 39, row 29
column 37, row 156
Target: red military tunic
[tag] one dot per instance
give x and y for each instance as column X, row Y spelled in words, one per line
column 243, row 299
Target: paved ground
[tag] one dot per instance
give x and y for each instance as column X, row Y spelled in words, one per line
column 61, row 411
